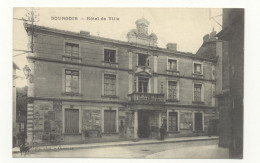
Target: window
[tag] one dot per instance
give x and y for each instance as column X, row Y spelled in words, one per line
column 72, row 49
column 143, row 60
column 109, row 84
column 71, row 121
column 109, row 121
column 197, row 68
column 197, row 92
column 172, row 90
column 172, row 64
column 72, row 81
column 143, row 85
column 198, row 121
column 110, row 55
column 21, row 127
column 173, row 121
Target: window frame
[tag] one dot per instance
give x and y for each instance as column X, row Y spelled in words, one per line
column 115, row 83
column 147, row 64
column 147, row 89
column 115, row 55
column 103, row 118
column 177, row 64
column 64, row 81
column 72, row 76
column 202, row 121
column 76, row 107
column 177, row 120
column 71, row 58
column 201, row 94
column 201, row 68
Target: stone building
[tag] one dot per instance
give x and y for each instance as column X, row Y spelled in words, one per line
column 230, row 97
column 86, row 88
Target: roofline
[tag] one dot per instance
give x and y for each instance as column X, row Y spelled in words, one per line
column 118, row 42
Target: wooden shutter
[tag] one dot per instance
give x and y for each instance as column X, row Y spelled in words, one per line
column 71, row 121
column 110, row 121
column 198, row 121
column 173, row 121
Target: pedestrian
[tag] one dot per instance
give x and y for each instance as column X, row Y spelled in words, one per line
column 162, row 131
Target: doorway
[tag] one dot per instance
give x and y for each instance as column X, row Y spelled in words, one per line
column 143, row 124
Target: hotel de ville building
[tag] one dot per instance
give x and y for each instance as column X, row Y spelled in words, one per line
column 83, row 88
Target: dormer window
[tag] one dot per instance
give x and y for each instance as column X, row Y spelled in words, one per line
column 143, row 60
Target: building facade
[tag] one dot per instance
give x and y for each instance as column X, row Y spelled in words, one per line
column 230, row 98
column 86, row 88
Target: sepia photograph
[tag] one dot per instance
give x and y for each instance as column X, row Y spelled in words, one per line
column 150, row 83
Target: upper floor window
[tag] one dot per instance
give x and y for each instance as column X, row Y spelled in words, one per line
column 172, row 64
column 172, row 90
column 72, row 49
column 143, row 60
column 109, row 84
column 143, row 85
column 71, row 81
column 197, row 68
column 197, row 92
column 110, row 55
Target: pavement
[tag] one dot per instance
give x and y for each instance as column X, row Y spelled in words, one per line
column 119, row 143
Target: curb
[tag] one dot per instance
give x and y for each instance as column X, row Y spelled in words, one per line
column 130, row 143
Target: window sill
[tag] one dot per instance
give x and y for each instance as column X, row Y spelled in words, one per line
column 71, row 94
column 198, row 74
column 199, row 131
column 109, row 96
column 115, row 63
column 72, row 57
column 143, row 67
column 198, row 102
column 171, row 100
column 173, row 71
column 71, row 133
column 110, row 133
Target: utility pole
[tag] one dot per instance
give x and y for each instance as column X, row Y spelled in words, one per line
column 32, row 17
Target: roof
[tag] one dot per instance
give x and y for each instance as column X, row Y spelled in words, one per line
column 108, row 40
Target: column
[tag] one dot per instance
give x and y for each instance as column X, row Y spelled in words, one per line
column 30, row 124
column 155, row 63
column 155, row 84
column 135, row 124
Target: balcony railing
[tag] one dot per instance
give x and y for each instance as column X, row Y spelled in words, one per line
column 146, row 97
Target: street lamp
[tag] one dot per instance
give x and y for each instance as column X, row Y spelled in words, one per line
column 28, row 75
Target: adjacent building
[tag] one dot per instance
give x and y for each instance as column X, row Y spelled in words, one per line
column 230, row 97
column 86, row 88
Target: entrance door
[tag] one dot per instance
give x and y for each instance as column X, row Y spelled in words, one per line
column 198, row 121
column 143, row 124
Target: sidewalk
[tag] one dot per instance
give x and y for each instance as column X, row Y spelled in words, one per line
column 120, row 143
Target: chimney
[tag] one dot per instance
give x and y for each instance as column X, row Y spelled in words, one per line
column 206, row 38
column 85, row 33
column 171, row 46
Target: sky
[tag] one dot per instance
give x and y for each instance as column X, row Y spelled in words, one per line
column 184, row 26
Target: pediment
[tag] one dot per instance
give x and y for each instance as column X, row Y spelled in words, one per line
column 143, row 73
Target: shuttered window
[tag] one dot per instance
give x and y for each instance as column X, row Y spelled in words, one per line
column 198, row 121
column 172, row 90
column 110, row 121
column 197, row 92
column 173, row 121
column 110, row 84
column 71, row 121
column 72, row 81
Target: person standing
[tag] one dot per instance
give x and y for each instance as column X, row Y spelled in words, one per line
column 162, row 132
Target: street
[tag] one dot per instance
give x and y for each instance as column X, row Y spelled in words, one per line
column 195, row 149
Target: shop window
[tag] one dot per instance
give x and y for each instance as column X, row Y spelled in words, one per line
column 71, row 121
column 71, row 81
column 109, row 121
column 109, row 55
column 173, row 121
column 143, row 84
column 109, row 85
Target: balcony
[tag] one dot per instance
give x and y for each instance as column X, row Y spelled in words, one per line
column 146, row 97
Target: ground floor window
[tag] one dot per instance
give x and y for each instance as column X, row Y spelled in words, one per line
column 173, row 121
column 71, row 121
column 198, row 122
column 110, row 121
column 186, row 121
